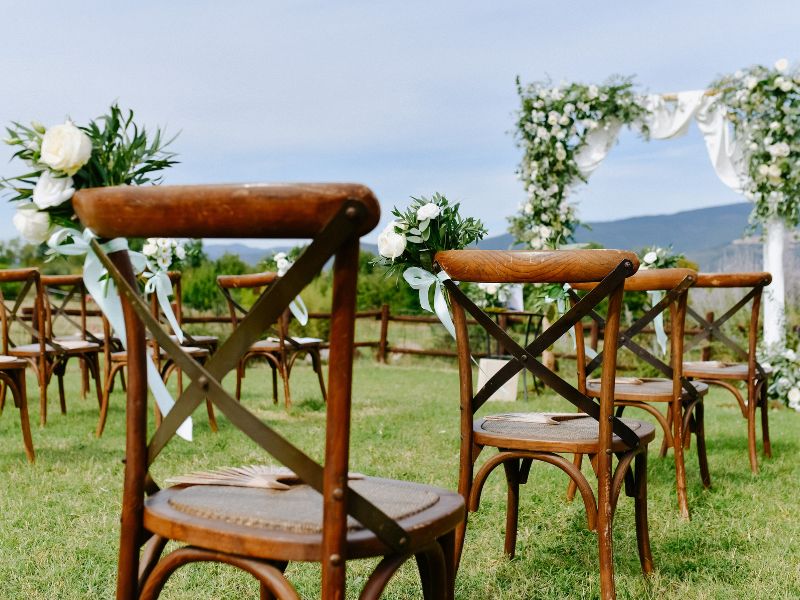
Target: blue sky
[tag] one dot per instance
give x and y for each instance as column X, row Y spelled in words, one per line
column 406, row 97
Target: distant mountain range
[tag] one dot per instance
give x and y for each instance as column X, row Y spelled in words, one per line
column 705, row 235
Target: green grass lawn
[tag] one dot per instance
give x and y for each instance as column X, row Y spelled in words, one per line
column 59, row 518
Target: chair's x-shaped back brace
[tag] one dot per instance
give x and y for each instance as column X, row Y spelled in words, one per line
column 713, row 329
column 626, row 337
column 525, row 358
column 236, row 306
column 206, row 378
column 13, row 316
column 59, row 310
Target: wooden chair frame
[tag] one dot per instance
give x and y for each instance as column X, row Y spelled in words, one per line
column 687, row 400
column 334, row 216
column 12, row 371
column 756, row 379
column 289, row 349
column 628, row 447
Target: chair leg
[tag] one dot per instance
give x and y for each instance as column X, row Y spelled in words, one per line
column 107, row 388
column 700, row 434
column 212, row 418
column 751, row 426
column 92, row 366
column 274, row 383
column 263, row 591
column 572, row 487
column 664, row 441
column 316, row 362
column 2, row 396
column 84, row 379
column 448, row 544
column 640, row 511
column 604, row 536
column 19, row 392
column 512, row 506
column 680, row 465
column 239, row 375
column 762, row 393
column 433, row 572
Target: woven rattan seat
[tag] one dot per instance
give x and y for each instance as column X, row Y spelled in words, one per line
column 76, row 346
column 718, row 370
column 295, row 513
column 298, row 509
column 572, row 432
column 651, row 389
column 11, row 362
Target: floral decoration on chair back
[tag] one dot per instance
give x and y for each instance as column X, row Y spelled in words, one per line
column 111, row 150
column 408, row 244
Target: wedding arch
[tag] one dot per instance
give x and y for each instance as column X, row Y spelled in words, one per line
column 750, row 121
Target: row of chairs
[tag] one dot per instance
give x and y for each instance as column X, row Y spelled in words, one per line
column 45, row 323
column 330, row 516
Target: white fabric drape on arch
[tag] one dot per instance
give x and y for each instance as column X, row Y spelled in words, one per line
column 671, row 119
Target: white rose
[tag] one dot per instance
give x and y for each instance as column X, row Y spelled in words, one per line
column 490, row 288
column 527, row 208
column 774, row 173
column 279, row 256
column 150, row 248
column 545, row 232
column 391, row 244
column 784, row 382
column 786, row 85
column 790, row 355
column 561, row 153
column 542, row 133
column 428, row 211
column 66, row 148
column 780, row 149
column 650, row 258
column 592, row 92
column 750, row 82
column 564, row 120
column 794, row 395
column 781, row 65
column 552, row 117
column 569, row 108
column 283, row 265
column 32, row 224
column 52, row 191
column 163, row 261
column 180, row 252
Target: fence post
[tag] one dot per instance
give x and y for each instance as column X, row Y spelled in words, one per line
column 706, row 352
column 384, row 333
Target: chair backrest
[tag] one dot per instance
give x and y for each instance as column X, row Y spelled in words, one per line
column 29, row 283
column 334, row 216
column 59, row 291
column 674, row 285
column 489, row 266
column 753, row 285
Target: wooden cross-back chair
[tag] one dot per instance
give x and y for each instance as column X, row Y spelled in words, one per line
column 324, row 517
column 60, row 293
column 116, row 360
column 280, row 352
column 596, row 432
column 683, row 398
column 745, row 367
column 46, row 355
column 12, row 369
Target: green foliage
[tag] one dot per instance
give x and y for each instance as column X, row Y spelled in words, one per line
column 427, row 226
column 376, row 287
column 199, row 282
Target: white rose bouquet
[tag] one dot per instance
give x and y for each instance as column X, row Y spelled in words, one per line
column 410, row 242
column 658, row 257
column 110, row 150
column 424, row 228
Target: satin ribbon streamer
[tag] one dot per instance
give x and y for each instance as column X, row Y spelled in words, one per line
column 658, row 322
column 422, row 280
column 561, row 308
column 104, row 292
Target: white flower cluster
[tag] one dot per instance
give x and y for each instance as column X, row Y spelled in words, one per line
column 392, row 240
column 764, row 106
column 552, row 126
column 657, row 257
column 61, row 150
column 494, row 295
column 282, row 263
column 784, row 382
column 165, row 251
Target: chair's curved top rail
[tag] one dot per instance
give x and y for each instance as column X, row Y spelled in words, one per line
column 650, row 280
column 12, row 275
column 532, row 266
column 257, row 210
column 732, row 280
column 250, row 280
column 62, row 279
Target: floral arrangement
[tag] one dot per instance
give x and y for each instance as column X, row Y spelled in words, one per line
column 166, row 252
column 764, row 106
column 424, row 228
column 410, row 242
column 110, row 150
column 784, row 381
column 552, row 126
column 657, row 257
column 281, row 262
column 490, row 295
